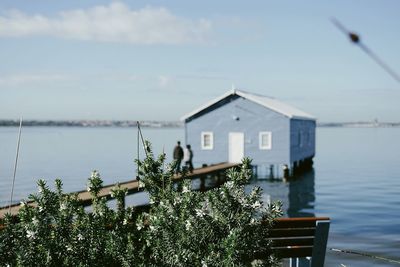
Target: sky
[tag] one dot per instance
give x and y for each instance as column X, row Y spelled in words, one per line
column 159, row 60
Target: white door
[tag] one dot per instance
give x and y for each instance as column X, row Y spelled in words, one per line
column 236, row 147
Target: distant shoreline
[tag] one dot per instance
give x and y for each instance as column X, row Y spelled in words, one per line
column 168, row 124
column 366, row 124
column 91, row 123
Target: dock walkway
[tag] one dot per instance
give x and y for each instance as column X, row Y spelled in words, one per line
column 132, row 186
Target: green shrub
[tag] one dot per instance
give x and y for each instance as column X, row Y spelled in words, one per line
column 58, row 232
column 220, row 227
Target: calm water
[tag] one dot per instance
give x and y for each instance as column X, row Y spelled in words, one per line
column 356, row 178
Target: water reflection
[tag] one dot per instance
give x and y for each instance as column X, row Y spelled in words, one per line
column 297, row 194
column 301, row 195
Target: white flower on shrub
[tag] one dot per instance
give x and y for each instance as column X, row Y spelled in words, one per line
column 99, row 213
column 203, row 263
column 256, row 205
column 63, row 206
column 188, row 225
column 170, row 210
column 140, row 225
column 185, row 189
column 30, row 234
column 80, row 237
column 242, row 201
column 35, row 221
column 141, row 184
column 229, row 184
column 170, row 168
column 275, row 208
column 177, row 200
column 200, row 213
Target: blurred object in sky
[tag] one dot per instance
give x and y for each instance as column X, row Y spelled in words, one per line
column 355, row 38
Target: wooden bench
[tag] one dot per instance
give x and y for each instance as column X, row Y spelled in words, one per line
column 303, row 240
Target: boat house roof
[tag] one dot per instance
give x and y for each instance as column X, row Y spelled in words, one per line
column 268, row 102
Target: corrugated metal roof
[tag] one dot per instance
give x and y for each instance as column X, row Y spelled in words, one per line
column 268, row 102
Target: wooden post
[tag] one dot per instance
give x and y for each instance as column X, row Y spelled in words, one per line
column 218, row 178
column 286, row 171
column 271, row 171
column 321, row 239
column 255, row 171
column 203, row 180
column 202, row 183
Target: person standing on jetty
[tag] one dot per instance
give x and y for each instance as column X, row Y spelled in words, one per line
column 188, row 157
column 178, row 156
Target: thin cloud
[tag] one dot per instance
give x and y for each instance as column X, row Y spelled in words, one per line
column 164, row 81
column 116, row 22
column 202, row 77
column 22, row 79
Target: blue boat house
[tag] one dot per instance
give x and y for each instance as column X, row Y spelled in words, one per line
column 279, row 138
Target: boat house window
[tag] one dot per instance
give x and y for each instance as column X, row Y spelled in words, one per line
column 207, row 140
column 265, row 142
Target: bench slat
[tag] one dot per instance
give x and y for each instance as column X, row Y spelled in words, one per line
column 286, row 252
column 292, row 224
column 297, row 222
column 293, row 252
column 292, row 232
column 285, row 242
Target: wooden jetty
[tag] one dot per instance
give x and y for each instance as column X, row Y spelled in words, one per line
column 133, row 186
